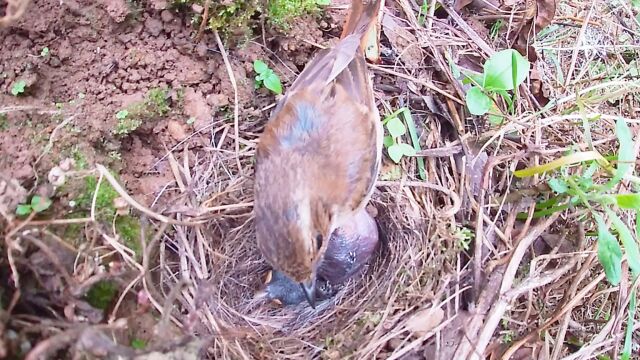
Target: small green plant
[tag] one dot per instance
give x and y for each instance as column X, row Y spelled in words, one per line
column 464, row 236
column 138, row 344
column 38, row 204
column 122, row 114
column 603, row 205
column 503, row 72
column 18, row 88
column 495, row 29
column 393, row 142
column 155, row 104
column 44, row 52
column 267, row 77
column 156, row 101
column 424, row 11
column 125, row 123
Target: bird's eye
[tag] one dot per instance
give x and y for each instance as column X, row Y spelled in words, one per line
column 318, row 241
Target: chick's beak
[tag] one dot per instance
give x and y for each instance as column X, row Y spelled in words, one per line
column 309, row 289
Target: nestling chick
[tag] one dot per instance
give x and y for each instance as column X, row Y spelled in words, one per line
column 319, row 155
column 350, row 248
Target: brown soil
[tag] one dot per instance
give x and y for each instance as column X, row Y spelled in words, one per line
column 104, row 56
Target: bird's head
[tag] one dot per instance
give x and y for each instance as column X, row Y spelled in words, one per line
column 292, row 233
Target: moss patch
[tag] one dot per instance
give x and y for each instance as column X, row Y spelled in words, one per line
column 127, row 227
column 154, row 105
column 101, row 294
column 236, row 19
column 281, row 13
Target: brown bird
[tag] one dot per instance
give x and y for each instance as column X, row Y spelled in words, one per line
column 319, row 155
column 350, row 248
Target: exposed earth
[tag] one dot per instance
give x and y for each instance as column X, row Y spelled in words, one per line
column 105, row 56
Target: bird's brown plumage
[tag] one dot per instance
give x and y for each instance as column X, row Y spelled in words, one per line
column 319, row 155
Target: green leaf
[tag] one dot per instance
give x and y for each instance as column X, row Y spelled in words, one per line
column 122, row 114
column 547, row 203
column 471, row 77
column 259, row 66
column 628, row 334
column 455, row 70
column 18, row 87
column 496, row 119
column 272, row 82
column 559, row 186
column 323, row 2
column 388, row 141
column 609, row 252
column 395, row 152
column 507, row 98
column 628, row 201
column 629, row 243
column 591, row 170
column 395, row 127
column 626, row 155
column 40, row 204
column 23, row 210
column 477, row 102
column 44, row 52
column 413, row 134
column 407, row 150
column 505, row 70
column 565, row 160
column 138, row 344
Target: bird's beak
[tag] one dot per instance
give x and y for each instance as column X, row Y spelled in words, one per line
column 309, row 289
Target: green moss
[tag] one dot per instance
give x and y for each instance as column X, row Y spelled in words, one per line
column 154, row 105
column 101, row 294
column 104, row 198
column 281, row 13
column 236, row 18
column 73, row 232
column 128, row 228
column 4, row 122
column 79, row 158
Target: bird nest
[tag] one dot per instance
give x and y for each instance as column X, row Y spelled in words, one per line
column 219, row 269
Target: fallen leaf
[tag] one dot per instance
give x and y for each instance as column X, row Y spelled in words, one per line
column 425, row 320
column 538, row 89
column 403, row 42
column 546, row 11
column 538, row 15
